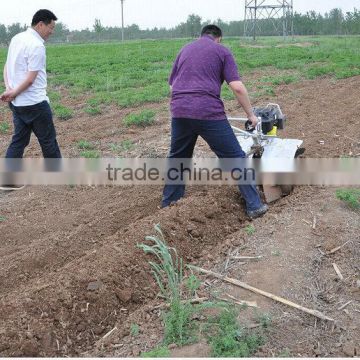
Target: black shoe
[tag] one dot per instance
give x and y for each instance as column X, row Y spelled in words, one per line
column 9, row 187
column 253, row 214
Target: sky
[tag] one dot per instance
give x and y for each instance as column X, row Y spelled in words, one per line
column 81, row 14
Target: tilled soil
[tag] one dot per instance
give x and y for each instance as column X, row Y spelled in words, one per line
column 71, row 272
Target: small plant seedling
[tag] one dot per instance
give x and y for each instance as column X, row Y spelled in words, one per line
column 127, row 145
column 192, row 283
column 4, row 128
column 90, row 154
column 264, row 319
column 351, row 197
column 250, row 229
column 93, row 110
column 134, row 330
column 85, row 145
column 228, row 339
column 63, row 112
column 159, row 352
column 144, row 118
column 124, row 145
column 276, row 253
column 115, row 147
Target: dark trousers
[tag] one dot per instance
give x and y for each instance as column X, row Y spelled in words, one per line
column 36, row 118
column 221, row 139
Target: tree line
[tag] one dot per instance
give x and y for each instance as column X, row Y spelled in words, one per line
column 335, row 22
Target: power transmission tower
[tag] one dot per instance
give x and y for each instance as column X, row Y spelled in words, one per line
column 279, row 12
column 122, row 20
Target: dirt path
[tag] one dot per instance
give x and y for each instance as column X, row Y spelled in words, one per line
column 70, row 270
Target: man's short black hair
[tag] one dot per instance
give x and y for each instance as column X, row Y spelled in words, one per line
column 211, row 30
column 46, row 16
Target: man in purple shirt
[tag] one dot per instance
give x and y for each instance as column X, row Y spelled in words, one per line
column 197, row 109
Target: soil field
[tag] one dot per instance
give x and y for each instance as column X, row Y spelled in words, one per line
column 70, row 271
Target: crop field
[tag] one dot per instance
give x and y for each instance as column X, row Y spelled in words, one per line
column 136, row 73
column 75, row 272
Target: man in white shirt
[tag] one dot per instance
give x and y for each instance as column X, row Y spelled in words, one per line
column 25, row 80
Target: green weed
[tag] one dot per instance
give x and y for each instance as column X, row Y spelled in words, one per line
column 351, row 197
column 223, row 332
column 127, row 145
column 115, row 147
column 144, row 118
column 2, row 218
column 54, row 96
column 287, row 79
column 168, row 273
column 134, row 330
column 192, row 284
column 62, row 112
column 228, row 339
column 269, row 90
column 85, row 145
column 179, row 329
column 226, row 93
column 93, row 110
column 276, row 253
column 124, row 145
column 4, row 128
column 159, row 352
column 250, row 229
column 90, row 154
column 264, row 319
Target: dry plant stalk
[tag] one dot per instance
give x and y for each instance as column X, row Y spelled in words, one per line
column 264, row 293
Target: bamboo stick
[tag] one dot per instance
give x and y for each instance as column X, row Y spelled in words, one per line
column 243, row 285
column 338, row 272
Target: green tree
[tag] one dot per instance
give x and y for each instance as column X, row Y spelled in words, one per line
column 60, row 34
column 132, row 31
column 3, row 35
column 336, row 19
column 193, row 25
column 98, row 28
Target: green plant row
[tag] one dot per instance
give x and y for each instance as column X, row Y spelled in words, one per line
column 136, row 73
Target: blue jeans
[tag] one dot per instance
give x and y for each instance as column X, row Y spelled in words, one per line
column 36, row 118
column 221, row 139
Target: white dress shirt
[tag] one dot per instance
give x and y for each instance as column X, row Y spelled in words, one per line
column 27, row 53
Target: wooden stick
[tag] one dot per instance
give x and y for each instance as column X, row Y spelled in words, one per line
column 247, row 257
column 337, row 248
column 345, row 305
column 264, row 293
column 337, row 270
column 242, row 302
column 314, row 223
column 99, row 342
column 109, row 333
column 227, row 260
